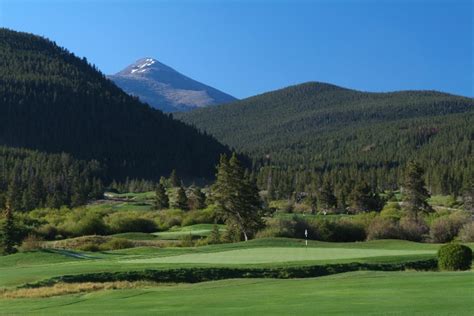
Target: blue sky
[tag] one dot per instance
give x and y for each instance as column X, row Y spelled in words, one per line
column 249, row 47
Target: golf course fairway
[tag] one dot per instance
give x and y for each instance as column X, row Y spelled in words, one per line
column 357, row 293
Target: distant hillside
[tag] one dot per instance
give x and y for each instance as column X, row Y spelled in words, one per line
column 164, row 88
column 55, row 102
column 323, row 127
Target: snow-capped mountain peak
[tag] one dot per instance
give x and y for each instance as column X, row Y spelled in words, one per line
column 164, row 88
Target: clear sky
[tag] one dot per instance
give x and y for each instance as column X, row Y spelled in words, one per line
column 249, row 47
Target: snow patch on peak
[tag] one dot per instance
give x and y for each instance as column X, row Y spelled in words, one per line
column 143, row 66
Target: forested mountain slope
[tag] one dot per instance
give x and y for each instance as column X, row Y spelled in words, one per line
column 326, row 128
column 52, row 101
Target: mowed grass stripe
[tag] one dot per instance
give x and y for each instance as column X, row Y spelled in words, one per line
column 359, row 293
column 278, row 254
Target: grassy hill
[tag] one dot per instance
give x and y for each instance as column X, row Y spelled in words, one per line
column 53, row 101
column 322, row 127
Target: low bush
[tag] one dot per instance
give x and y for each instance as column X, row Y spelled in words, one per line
column 391, row 211
column 348, row 231
column 413, row 230
column 116, row 243
column 47, row 231
column 81, row 243
column 31, row 242
column 169, row 218
column 278, row 227
column 89, row 246
column 91, row 224
column 445, row 229
column 383, row 228
column 324, row 230
column 466, row 234
column 187, row 241
column 126, row 223
column 454, row 257
column 194, row 217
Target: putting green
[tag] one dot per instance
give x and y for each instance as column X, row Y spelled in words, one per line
column 278, row 254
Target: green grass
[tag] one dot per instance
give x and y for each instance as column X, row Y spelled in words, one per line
column 361, row 293
column 201, row 230
column 23, row 268
column 136, row 236
column 279, row 254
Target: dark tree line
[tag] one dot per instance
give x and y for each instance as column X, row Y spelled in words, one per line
column 30, row 179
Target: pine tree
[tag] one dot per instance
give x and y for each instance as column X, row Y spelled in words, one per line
column 14, row 196
column 181, row 201
column 326, row 198
column 415, row 195
column 468, row 194
column 363, row 199
column 174, row 180
column 237, row 197
column 161, row 198
column 8, row 232
column 197, row 199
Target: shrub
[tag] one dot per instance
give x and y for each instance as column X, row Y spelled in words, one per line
column 128, row 223
column 365, row 219
column 116, row 243
column 324, row 230
column 383, row 228
column 169, row 218
column 289, row 207
column 89, row 246
column 348, row 231
column 278, row 227
column 204, row 216
column 91, row 224
column 466, row 234
column 446, row 228
column 215, row 235
column 453, row 257
column 187, row 241
column 47, row 231
column 413, row 230
column 391, row 211
column 81, row 243
column 31, row 242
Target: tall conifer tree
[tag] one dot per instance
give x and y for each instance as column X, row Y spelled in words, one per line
column 415, row 194
column 161, row 198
